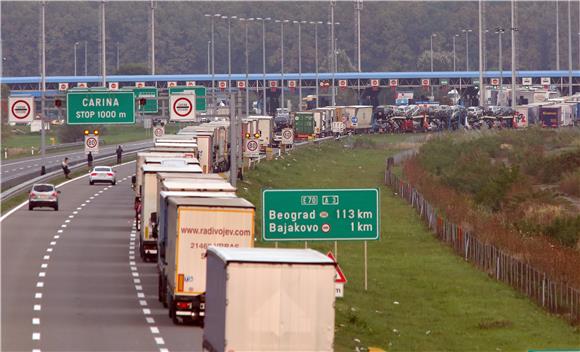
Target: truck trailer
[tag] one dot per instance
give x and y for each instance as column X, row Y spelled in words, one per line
column 266, row 299
column 194, row 224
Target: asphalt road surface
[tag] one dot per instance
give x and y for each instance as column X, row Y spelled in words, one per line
column 30, row 166
column 72, row 280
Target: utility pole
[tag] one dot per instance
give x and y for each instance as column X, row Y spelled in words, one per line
column 264, row 108
column 43, row 90
column 514, row 30
column 103, row 46
column 282, row 57
column 300, row 62
column 117, row 57
column 246, row 20
column 75, row 50
column 481, row 85
column 454, row 36
column 557, row 35
column 500, row 31
column 153, row 37
column 431, row 40
column 209, row 57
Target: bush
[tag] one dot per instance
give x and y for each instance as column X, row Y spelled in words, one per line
column 570, row 183
column 565, row 230
column 493, row 193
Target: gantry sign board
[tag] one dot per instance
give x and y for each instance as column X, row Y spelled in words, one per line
column 150, row 94
column 200, row 93
column 182, row 107
column 100, row 107
column 320, row 214
column 91, row 144
column 21, row 109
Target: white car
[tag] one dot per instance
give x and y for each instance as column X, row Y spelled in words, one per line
column 104, row 174
column 43, row 195
column 475, row 111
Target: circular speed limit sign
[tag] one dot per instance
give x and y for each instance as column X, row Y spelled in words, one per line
column 158, row 131
column 252, row 146
column 92, row 142
column 182, row 107
column 287, row 134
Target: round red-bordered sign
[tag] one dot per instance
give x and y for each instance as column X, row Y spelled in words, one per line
column 158, row 132
column 177, row 109
column 92, row 142
column 20, row 115
column 252, row 146
column 287, row 134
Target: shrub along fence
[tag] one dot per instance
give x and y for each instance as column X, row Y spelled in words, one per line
column 554, row 295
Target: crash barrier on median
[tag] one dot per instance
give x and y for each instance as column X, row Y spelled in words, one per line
column 554, row 295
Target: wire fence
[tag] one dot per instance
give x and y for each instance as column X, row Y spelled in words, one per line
column 554, row 295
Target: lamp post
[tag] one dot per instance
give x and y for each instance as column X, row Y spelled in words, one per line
column 569, row 48
column 86, row 59
column 152, row 20
column 229, row 19
column 514, row 29
column 212, row 41
column 466, row 31
column 43, row 88
column 316, row 23
column 209, row 57
column 299, row 61
column 282, row 57
column 454, row 36
column 358, row 5
column 75, row 49
column 333, row 48
column 245, row 21
column 500, row 31
column 103, row 46
column 117, row 57
column 433, row 35
column 264, row 108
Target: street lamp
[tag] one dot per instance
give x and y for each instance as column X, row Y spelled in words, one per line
column 264, row 109
column 454, row 36
column 433, row 35
column 316, row 23
column 75, row 49
column 282, row 56
column 466, row 31
column 299, row 60
column 500, row 31
column 209, row 57
column 245, row 21
column 86, row 60
column 117, row 57
column 212, row 41
column 333, row 47
column 358, row 6
column 229, row 19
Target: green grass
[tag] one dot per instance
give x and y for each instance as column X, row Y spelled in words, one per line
column 443, row 302
column 19, row 144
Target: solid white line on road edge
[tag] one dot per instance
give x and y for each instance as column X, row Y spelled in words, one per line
column 13, row 210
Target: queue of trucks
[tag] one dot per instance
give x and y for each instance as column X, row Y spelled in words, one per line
column 201, row 235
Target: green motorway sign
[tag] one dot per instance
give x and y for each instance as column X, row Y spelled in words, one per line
column 100, row 107
column 320, row 214
column 200, row 95
column 150, row 94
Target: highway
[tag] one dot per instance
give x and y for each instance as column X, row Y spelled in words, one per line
column 16, row 171
column 72, row 280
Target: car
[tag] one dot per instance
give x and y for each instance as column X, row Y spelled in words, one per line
column 474, row 111
column 103, row 174
column 43, row 195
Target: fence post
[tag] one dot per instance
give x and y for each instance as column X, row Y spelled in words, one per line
column 544, row 291
column 5, row 153
column 497, row 268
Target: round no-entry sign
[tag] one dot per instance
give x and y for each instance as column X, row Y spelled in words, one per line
column 21, row 109
column 182, row 107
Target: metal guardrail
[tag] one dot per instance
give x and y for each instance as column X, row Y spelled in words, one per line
column 11, row 192
column 65, row 145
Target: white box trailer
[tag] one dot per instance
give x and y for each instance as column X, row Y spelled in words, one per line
column 148, row 205
column 194, row 224
column 142, row 156
column 264, row 126
column 265, row 299
column 323, row 118
column 360, row 118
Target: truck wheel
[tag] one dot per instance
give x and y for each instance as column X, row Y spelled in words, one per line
column 172, row 315
column 160, row 288
column 30, row 207
column 142, row 251
column 91, row 183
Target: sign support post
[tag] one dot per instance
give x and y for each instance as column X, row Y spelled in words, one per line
column 366, row 268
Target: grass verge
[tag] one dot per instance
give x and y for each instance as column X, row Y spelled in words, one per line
column 421, row 296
